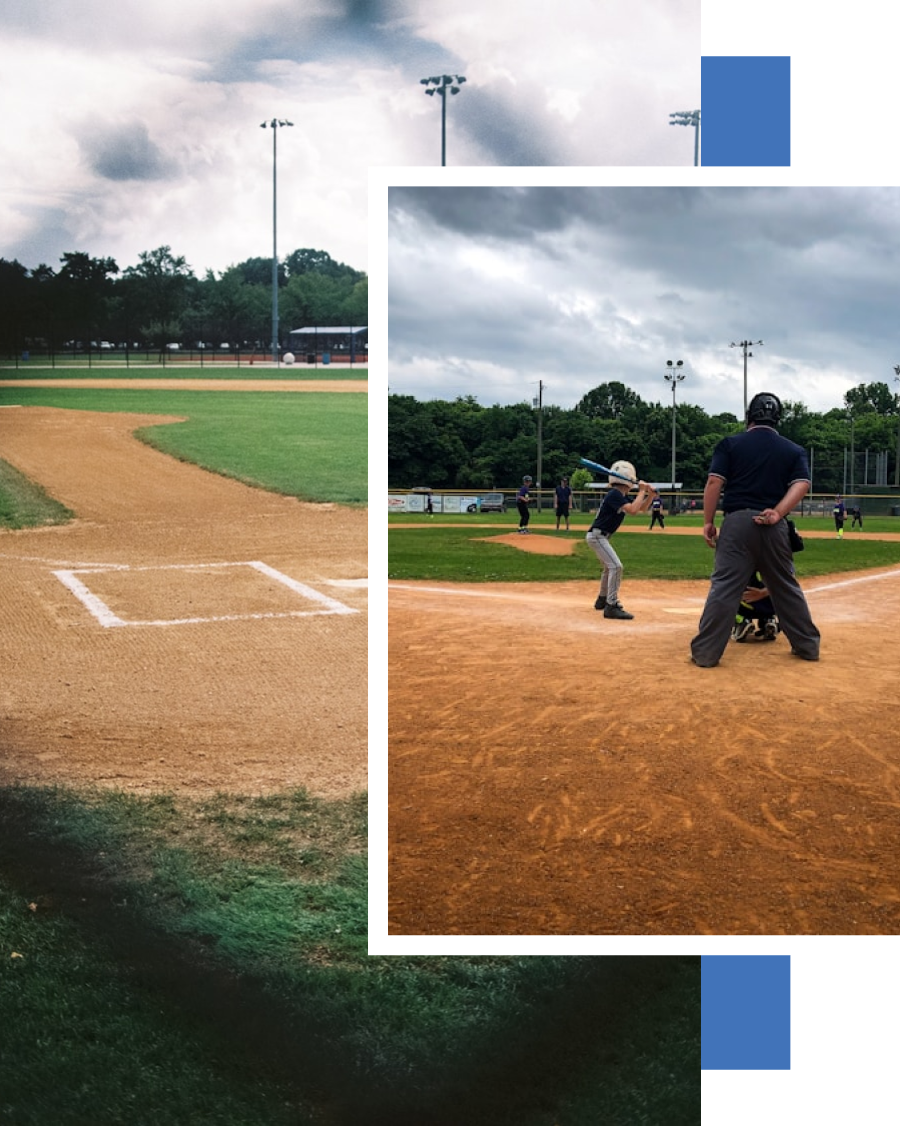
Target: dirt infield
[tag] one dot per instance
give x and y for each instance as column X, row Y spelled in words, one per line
column 552, row 772
column 185, row 632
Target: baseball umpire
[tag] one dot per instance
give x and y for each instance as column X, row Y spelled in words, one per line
column 764, row 477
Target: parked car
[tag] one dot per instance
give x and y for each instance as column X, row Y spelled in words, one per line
column 492, row 502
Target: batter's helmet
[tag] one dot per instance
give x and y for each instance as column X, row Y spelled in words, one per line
column 622, row 469
column 764, row 410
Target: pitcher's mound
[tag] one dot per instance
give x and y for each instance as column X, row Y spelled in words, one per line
column 542, row 545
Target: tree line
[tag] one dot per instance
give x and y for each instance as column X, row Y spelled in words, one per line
column 461, row 444
column 87, row 300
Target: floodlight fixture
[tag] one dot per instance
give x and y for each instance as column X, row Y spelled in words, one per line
column 442, row 84
column 689, row 117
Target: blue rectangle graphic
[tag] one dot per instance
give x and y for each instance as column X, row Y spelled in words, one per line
column 746, row 1021
column 746, row 111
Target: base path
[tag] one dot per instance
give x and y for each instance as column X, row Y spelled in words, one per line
column 555, row 773
column 185, row 632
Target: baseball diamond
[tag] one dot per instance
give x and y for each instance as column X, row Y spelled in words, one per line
column 241, row 616
column 533, row 793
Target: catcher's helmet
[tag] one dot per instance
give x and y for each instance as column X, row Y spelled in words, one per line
column 623, row 469
column 764, row 410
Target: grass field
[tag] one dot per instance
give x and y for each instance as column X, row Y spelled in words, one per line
column 166, row 960
column 452, row 554
column 151, row 369
column 23, row 504
column 311, row 446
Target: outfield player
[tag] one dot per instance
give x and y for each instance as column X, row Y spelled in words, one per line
column 609, row 517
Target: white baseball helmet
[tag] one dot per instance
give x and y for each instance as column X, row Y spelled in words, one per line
column 623, row 469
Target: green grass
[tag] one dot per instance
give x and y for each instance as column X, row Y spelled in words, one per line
column 545, row 521
column 218, row 941
column 151, row 369
column 465, row 555
column 308, row 445
column 23, row 504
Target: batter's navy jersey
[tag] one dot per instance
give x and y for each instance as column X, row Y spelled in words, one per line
column 757, row 466
column 610, row 514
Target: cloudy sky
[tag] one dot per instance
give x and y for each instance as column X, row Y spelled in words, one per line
column 129, row 125
column 493, row 289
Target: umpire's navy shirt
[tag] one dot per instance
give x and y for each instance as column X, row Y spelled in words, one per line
column 757, row 466
column 610, row 514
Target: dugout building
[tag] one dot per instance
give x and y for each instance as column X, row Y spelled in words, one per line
column 329, row 344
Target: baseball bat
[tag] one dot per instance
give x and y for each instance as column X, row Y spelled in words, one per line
column 609, row 472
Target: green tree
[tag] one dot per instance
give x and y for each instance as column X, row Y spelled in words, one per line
column 155, row 294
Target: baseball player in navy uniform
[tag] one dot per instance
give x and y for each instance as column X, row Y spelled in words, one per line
column 657, row 514
column 563, row 502
column 609, row 517
column 523, row 505
column 764, row 476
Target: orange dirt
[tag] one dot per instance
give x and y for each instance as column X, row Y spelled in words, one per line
column 555, row 773
column 536, row 545
column 183, row 666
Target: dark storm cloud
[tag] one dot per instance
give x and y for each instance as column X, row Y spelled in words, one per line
column 504, row 214
column 505, row 125
column 124, row 152
column 581, row 283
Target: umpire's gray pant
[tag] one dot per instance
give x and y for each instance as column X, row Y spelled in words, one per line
column 613, row 568
column 743, row 547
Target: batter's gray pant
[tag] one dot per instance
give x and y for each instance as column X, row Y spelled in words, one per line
column 613, row 568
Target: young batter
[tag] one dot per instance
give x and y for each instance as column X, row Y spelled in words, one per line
column 609, row 517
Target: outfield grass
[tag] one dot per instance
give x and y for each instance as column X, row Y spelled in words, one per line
column 545, row 521
column 151, row 369
column 23, row 504
column 311, row 446
column 451, row 554
column 216, row 941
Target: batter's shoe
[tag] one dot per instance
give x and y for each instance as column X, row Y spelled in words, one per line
column 742, row 630
column 600, row 604
column 615, row 610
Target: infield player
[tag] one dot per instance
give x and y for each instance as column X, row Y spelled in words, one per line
column 764, row 477
column 840, row 515
column 523, row 505
column 609, row 517
column 563, row 502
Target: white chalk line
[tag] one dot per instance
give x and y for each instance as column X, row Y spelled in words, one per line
column 108, row 619
column 499, row 594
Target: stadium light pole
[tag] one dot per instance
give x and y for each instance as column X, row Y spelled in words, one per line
column 744, row 345
column 275, row 124
column 897, row 464
column 674, row 376
column 442, row 84
column 689, row 117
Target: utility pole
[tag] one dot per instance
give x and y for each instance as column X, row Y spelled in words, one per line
column 744, row 345
column 538, row 403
